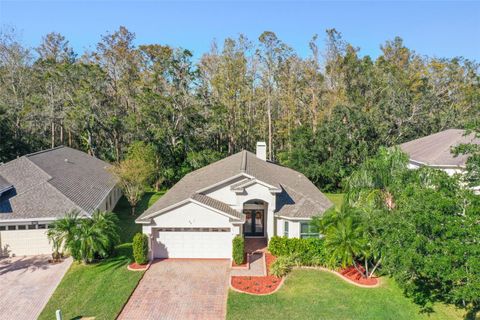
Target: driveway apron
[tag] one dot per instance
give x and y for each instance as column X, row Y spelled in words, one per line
column 27, row 284
column 181, row 289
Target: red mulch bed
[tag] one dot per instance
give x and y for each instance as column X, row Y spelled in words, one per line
column 258, row 285
column 352, row 274
column 136, row 266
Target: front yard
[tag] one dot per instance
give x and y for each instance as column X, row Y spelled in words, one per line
column 101, row 289
column 314, row 294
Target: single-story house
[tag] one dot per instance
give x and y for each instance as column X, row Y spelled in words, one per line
column 38, row 188
column 243, row 194
column 435, row 151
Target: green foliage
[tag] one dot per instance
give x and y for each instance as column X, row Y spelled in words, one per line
column 86, row 239
column 307, row 252
column 413, row 222
column 323, row 114
column 282, row 266
column 135, row 172
column 140, row 248
column 238, row 250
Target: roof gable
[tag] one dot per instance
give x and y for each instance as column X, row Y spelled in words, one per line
column 243, row 163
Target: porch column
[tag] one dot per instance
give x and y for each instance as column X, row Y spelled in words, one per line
column 270, row 223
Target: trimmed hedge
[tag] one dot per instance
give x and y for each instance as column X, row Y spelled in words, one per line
column 140, row 248
column 238, row 252
column 308, row 252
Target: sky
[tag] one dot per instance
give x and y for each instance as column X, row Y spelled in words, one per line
column 437, row 29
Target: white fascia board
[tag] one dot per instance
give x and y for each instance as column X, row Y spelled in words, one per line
column 159, row 212
column 30, row 220
column 438, row 166
column 254, row 180
column 294, row 218
column 178, row 204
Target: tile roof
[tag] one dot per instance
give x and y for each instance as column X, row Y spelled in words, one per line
column 435, row 149
column 306, row 199
column 52, row 182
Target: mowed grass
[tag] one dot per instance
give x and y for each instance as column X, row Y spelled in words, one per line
column 100, row 290
column 336, row 198
column 315, row 294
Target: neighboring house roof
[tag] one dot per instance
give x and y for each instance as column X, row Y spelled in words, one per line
column 300, row 198
column 435, row 149
column 49, row 183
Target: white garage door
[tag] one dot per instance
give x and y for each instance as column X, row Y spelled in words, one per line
column 193, row 243
column 24, row 242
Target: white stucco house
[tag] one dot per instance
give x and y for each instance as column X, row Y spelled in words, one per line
column 38, row 188
column 243, row 194
column 435, row 151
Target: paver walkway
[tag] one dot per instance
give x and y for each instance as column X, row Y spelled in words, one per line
column 181, row 289
column 257, row 267
column 27, row 284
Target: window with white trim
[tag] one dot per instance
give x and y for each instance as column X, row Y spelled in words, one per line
column 285, row 228
column 308, row 230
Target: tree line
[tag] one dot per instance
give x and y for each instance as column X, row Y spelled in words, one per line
column 323, row 114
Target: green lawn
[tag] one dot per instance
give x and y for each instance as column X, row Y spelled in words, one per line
column 336, row 198
column 100, row 290
column 314, row 294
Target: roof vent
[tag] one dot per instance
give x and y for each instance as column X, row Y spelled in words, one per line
column 262, row 150
column 66, row 160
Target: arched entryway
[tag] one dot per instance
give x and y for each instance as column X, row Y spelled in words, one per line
column 255, row 218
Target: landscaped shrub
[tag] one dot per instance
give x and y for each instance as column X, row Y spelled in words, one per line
column 309, row 251
column 281, row 266
column 238, row 253
column 140, row 248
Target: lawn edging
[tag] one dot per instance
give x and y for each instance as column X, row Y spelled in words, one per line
column 342, row 277
column 138, row 267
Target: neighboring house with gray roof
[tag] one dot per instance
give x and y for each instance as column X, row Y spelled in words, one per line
column 435, row 151
column 38, row 188
column 243, row 194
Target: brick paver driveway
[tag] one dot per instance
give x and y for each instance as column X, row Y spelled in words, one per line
column 26, row 285
column 181, row 289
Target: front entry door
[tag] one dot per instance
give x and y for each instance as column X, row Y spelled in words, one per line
column 254, row 223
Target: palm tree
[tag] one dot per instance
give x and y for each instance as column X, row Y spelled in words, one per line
column 373, row 183
column 96, row 236
column 345, row 240
column 348, row 240
column 62, row 233
column 85, row 238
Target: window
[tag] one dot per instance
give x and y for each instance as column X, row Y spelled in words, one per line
column 285, row 229
column 22, row 227
column 11, row 228
column 308, row 230
column 2, row 228
column 41, row 226
column 31, row 226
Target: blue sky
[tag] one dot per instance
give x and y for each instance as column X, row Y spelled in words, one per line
column 441, row 29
